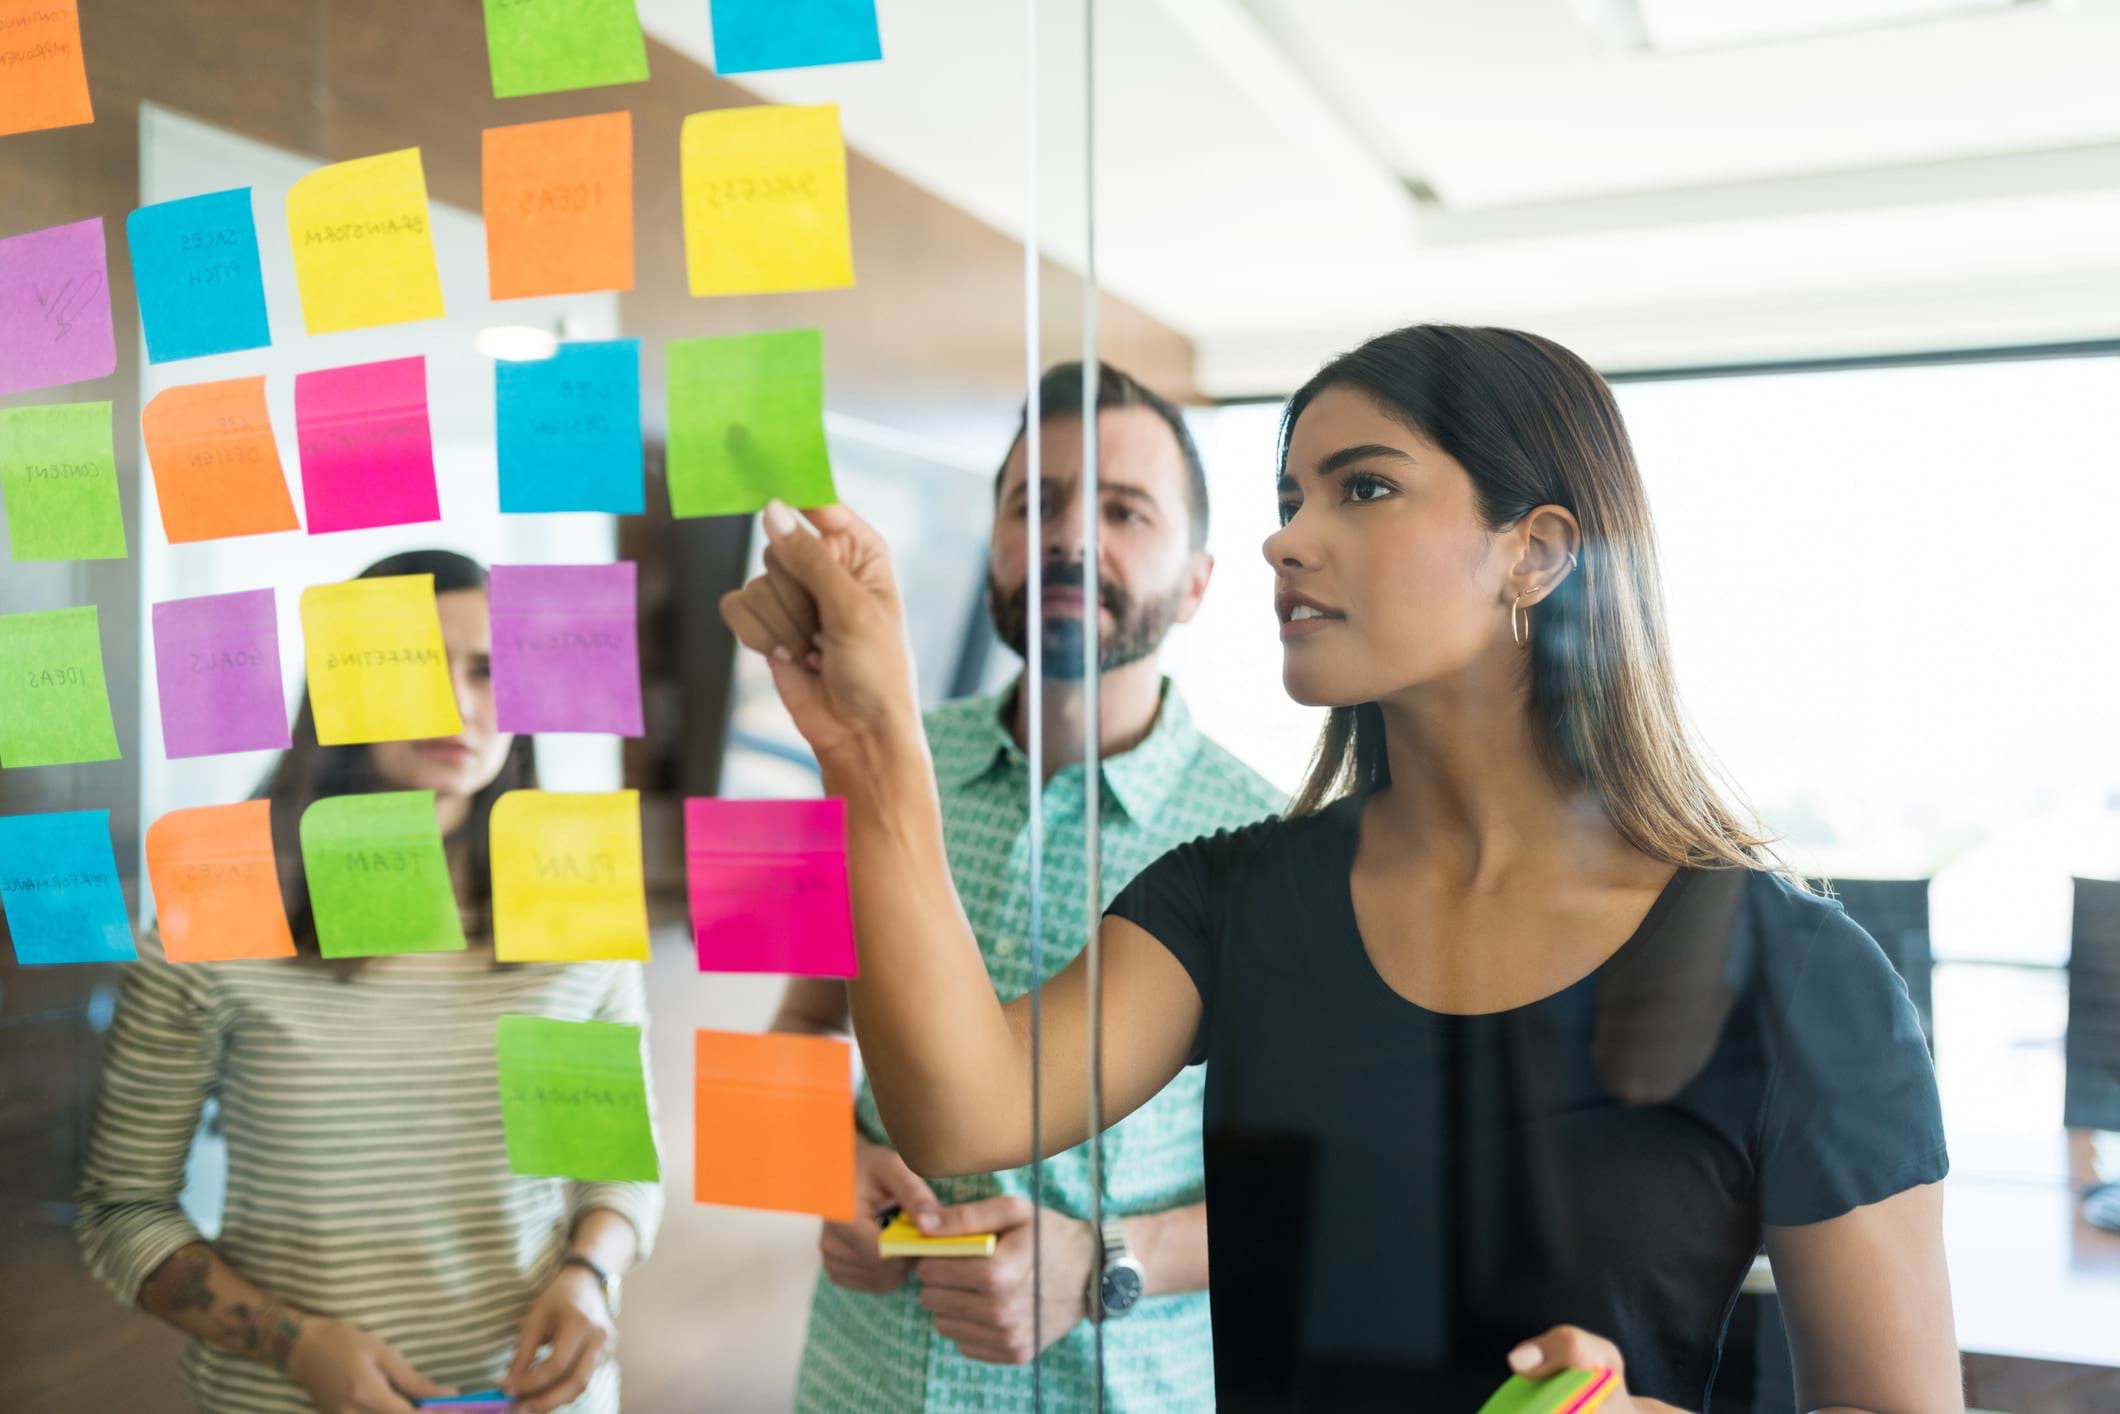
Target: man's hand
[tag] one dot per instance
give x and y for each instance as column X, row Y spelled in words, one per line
column 1573, row 1348
column 881, row 1180
column 571, row 1321
column 348, row 1371
column 986, row 1304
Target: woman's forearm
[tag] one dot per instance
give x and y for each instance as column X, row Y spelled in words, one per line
column 201, row 1295
column 607, row 1239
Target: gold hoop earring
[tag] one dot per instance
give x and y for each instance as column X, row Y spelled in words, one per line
column 1518, row 630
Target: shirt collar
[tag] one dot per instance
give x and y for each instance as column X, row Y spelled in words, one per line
column 1140, row 780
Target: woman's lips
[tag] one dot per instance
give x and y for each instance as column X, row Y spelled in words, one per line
column 1297, row 629
column 444, row 750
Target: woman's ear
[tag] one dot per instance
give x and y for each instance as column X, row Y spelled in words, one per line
column 1551, row 537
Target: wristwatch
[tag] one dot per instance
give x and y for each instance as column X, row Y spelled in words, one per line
column 1120, row 1279
column 605, row 1282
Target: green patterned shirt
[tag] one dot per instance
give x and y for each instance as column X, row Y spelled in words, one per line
column 866, row 1353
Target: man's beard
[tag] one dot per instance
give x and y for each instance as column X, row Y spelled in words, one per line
column 1142, row 626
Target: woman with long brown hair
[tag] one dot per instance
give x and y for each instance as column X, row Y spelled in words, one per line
column 1520, row 1043
column 375, row 1248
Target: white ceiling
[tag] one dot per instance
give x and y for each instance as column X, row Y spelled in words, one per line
column 1951, row 183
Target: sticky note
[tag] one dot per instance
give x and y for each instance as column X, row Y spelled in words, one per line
column 215, row 461
column 217, row 672
column 378, row 670
column 54, row 707
column 567, row 878
column 900, row 1238
column 363, row 250
column 217, row 884
column 568, row 430
column 367, row 450
column 40, row 53
column 55, row 307
column 767, row 881
column 746, row 423
column 574, row 1100
column 559, row 206
column 196, row 273
column 378, row 879
column 566, row 648
column 774, row 1123
column 59, row 478
column 765, row 196
column 546, row 46
column 750, row 35
column 1569, row 1392
column 59, row 887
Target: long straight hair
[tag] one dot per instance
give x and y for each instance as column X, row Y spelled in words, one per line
column 307, row 772
column 1534, row 425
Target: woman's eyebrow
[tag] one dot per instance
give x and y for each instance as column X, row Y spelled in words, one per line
column 1348, row 456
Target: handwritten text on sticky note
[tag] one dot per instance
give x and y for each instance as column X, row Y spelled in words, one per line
column 217, row 673
column 378, row 878
column 217, row 884
column 567, row 877
column 750, row 35
column 40, row 53
column 566, row 648
column 55, row 308
column 367, row 448
column 54, row 706
column 567, row 429
column 767, row 881
column 363, row 246
column 195, row 270
column 746, row 423
column 548, row 46
column 774, row 1123
column 559, row 206
column 59, row 887
column 216, row 464
column 59, row 477
column 378, row 669
column 765, row 197
column 574, row 1100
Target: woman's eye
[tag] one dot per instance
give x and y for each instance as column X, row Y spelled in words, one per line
column 1367, row 488
column 1288, row 511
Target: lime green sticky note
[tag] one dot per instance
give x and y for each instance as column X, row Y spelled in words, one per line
column 60, row 480
column 378, row 880
column 574, row 1100
column 54, row 708
column 1569, row 1392
column 546, row 46
column 747, row 423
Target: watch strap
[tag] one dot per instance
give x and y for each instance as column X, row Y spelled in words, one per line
column 605, row 1282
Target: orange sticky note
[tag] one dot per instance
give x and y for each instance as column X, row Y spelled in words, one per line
column 559, row 206
column 217, row 884
column 43, row 81
column 217, row 469
column 774, row 1123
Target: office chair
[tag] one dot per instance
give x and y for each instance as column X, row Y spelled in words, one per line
column 2092, row 1046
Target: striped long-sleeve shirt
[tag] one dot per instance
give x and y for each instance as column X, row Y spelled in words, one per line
column 368, row 1176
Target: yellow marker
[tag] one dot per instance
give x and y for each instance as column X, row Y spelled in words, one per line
column 378, row 670
column 765, row 192
column 363, row 248
column 900, row 1238
column 568, row 885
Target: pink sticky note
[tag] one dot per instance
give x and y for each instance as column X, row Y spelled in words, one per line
column 217, row 672
column 566, row 648
column 367, row 453
column 768, row 884
column 55, row 308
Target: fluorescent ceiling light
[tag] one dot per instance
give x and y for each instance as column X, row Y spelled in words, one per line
column 517, row 343
column 1717, row 24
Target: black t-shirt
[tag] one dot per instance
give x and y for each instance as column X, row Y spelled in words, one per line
column 1397, row 1197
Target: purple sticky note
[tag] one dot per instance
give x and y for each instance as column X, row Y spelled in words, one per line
column 55, row 308
column 566, row 648
column 217, row 665
column 768, row 885
column 367, row 453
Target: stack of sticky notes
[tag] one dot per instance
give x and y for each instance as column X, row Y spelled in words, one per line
column 1569, row 1392
column 900, row 1238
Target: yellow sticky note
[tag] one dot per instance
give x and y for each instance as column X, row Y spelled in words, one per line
column 568, row 885
column 765, row 192
column 900, row 1238
column 363, row 248
column 378, row 670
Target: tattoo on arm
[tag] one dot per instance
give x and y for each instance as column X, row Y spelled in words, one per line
column 200, row 1294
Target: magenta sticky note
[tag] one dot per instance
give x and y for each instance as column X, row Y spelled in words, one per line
column 55, row 308
column 768, row 885
column 217, row 669
column 566, row 648
column 367, row 452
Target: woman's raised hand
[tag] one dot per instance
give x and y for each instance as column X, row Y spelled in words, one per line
column 827, row 618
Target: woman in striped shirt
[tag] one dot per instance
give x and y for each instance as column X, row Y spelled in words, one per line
column 375, row 1249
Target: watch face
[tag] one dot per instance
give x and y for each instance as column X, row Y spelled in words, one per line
column 1121, row 1288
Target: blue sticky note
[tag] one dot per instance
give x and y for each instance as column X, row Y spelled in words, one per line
column 793, row 34
column 568, row 430
column 195, row 268
column 59, row 888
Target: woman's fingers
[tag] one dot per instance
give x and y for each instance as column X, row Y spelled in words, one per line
column 554, row 1369
column 569, row 1382
column 814, row 565
column 753, row 624
column 1564, row 1348
column 795, row 602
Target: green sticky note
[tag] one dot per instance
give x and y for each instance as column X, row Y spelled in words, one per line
column 747, row 423
column 1568, row 1392
column 574, row 1100
column 378, row 880
column 546, row 46
column 60, row 480
column 54, row 707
